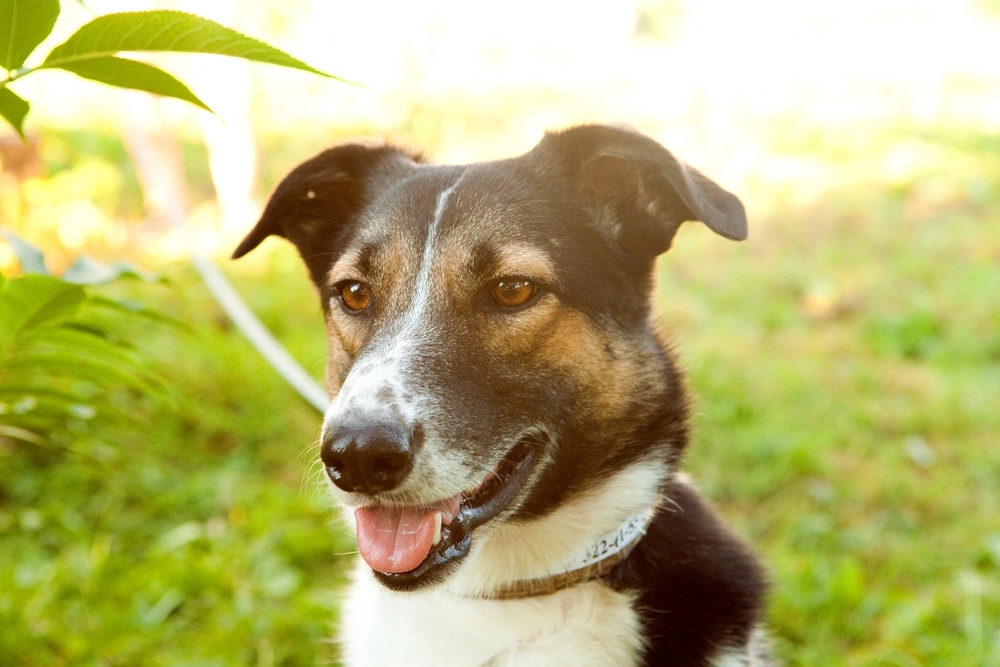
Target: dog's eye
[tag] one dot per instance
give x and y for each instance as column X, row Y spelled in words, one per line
column 513, row 292
column 355, row 295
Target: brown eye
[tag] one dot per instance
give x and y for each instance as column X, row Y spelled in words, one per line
column 354, row 295
column 513, row 292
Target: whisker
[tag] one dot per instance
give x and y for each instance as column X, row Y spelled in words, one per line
column 313, row 472
column 314, row 480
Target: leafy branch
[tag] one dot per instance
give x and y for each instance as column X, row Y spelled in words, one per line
column 61, row 365
column 92, row 52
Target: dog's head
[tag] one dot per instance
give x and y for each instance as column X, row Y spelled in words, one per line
column 490, row 345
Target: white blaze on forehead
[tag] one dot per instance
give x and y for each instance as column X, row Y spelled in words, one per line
column 422, row 292
column 379, row 376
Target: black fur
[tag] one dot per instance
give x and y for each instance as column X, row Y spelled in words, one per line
column 700, row 587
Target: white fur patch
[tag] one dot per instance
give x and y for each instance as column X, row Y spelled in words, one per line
column 585, row 625
column 363, row 387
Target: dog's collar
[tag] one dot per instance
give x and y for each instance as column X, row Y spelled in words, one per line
column 595, row 562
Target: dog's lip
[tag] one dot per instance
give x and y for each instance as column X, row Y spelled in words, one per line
column 496, row 492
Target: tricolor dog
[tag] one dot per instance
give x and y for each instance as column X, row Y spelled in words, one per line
column 506, row 424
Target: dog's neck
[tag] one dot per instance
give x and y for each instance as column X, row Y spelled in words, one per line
column 595, row 562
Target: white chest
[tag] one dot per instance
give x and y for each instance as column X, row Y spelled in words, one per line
column 584, row 625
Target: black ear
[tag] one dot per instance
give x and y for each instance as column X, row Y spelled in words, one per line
column 316, row 202
column 639, row 190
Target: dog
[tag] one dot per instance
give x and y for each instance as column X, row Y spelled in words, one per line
column 506, row 422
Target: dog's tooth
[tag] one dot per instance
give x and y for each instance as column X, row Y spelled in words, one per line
column 438, row 517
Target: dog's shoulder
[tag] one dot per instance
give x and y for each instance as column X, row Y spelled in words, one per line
column 700, row 589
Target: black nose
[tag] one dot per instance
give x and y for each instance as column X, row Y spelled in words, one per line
column 366, row 458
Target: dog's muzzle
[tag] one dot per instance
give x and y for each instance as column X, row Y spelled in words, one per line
column 411, row 546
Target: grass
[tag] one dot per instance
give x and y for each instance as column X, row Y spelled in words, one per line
column 846, row 364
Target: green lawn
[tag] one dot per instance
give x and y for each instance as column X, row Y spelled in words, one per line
column 846, row 364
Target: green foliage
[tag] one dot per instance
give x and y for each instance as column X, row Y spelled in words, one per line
column 62, row 370
column 92, row 51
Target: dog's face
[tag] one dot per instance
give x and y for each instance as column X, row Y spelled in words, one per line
column 490, row 350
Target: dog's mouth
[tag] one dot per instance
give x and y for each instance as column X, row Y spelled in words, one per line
column 410, row 546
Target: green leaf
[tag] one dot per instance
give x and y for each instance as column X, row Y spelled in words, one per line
column 32, row 259
column 59, row 371
column 164, row 31
column 134, row 309
column 33, row 301
column 44, row 391
column 88, row 271
column 102, row 370
column 13, row 109
column 15, row 433
column 23, row 26
column 59, row 404
column 69, row 348
column 74, row 345
column 126, row 73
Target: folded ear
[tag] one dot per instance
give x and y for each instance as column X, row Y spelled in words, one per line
column 314, row 205
column 639, row 190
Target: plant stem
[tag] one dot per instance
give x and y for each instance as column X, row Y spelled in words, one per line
column 14, row 75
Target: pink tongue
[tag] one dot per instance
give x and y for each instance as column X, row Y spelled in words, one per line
column 394, row 539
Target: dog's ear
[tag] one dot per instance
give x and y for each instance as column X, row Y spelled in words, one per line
column 640, row 191
column 314, row 205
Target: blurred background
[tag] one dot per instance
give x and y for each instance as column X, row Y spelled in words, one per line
column 845, row 359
